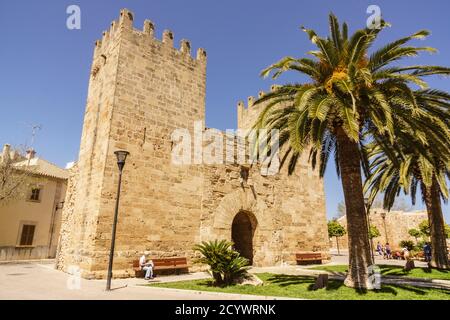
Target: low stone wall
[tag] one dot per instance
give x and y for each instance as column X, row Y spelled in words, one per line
column 8, row 253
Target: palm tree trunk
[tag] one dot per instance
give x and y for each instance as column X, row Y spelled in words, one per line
column 358, row 236
column 432, row 198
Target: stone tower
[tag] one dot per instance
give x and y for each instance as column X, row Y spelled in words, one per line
column 141, row 90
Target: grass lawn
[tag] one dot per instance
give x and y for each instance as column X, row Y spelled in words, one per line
column 301, row 287
column 388, row 270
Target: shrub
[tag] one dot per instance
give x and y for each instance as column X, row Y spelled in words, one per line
column 414, row 253
column 415, row 233
column 226, row 265
column 374, row 232
column 408, row 244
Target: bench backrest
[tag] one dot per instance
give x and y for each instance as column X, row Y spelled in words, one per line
column 179, row 261
column 164, row 262
column 308, row 255
column 175, row 261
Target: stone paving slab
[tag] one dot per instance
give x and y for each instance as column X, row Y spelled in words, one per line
column 33, row 281
column 39, row 280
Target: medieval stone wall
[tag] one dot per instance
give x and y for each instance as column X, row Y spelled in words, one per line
column 393, row 229
column 141, row 90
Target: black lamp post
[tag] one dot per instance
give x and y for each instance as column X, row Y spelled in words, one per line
column 383, row 216
column 121, row 157
column 366, row 203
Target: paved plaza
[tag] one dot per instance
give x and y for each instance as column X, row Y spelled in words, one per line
column 39, row 280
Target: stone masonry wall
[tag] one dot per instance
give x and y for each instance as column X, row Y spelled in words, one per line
column 141, row 90
column 393, row 229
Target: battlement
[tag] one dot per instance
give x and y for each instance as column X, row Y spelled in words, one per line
column 124, row 25
column 247, row 113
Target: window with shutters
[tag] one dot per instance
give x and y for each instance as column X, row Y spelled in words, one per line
column 35, row 194
column 26, row 238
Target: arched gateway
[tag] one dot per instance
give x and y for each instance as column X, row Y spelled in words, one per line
column 242, row 233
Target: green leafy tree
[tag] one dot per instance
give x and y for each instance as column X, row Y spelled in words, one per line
column 226, row 265
column 425, row 230
column 337, row 231
column 408, row 244
column 351, row 97
column 374, row 232
column 415, row 233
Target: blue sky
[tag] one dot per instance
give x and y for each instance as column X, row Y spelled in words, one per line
column 45, row 67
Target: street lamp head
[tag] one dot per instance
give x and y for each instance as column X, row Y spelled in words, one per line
column 121, row 157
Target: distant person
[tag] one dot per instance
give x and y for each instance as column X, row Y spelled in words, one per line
column 147, row 266
column 427, row 252
column 388, row 251
column 405, row 253
column 379, row 249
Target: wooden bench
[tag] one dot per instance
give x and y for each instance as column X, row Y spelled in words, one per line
column 308, row 257
column 162, row 264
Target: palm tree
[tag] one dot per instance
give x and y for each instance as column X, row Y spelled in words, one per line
column 420, row 162
column 345, row 102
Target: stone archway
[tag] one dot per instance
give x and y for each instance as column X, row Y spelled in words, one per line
column 242, row 233
column 266, row 234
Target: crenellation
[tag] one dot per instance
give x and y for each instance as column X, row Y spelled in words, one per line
column 149, row 28
column 97, row 47
column 147, row 32
column 105, row 36
column 126, row 19
column 250, row 101
column 241, row 111
column 201, row 55
column 185, row 47
column 167, row 38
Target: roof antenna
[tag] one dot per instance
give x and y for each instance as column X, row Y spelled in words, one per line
column 34, row 129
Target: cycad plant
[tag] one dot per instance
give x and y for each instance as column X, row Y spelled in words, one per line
column 418, row 161
column 348, row 96
column 225, row 264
